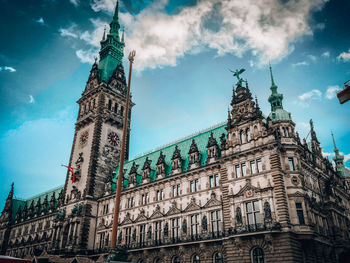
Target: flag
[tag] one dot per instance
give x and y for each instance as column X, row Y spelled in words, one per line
column 71, row 170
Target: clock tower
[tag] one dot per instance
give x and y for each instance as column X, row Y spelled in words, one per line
column 98, row 131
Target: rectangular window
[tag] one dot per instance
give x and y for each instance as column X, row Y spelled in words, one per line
column 160, row 195
column 238, row 171
column 291, row 164
column 216, row 180
column 116, row 107
column 144, row 199
column 300, row 213
column 109, row 104
column 215, row 220
column 176, row 190
column 254, row 216
column 175, row 228
column 259, row 165
column 142, row 234
column 194, row 225
column 252, row 167
column 244, row 169
column 192, row 186
column 127, row 235
column 211, row 181
column 158, row 231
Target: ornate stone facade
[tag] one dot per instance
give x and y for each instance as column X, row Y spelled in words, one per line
column 246, row 190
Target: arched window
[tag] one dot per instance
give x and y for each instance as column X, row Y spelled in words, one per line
column 283, row 132
column 217, row 258
column 258, row 255
column 242, row 137
column 141, row 261
column 157, row 260
column 287, row 132
column 121, row 110
column 248, row 134
column 195, row 259
column 175, row 259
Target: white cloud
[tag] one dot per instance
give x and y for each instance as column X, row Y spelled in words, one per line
column 332, row 91
column 7, row 68
column 68, row 32
column 326, row 54
column 344, row 56
column 303, row 129
column 302, row 63
column 75, row 2
column 312, row 57
column 86, row 56
column 40, row 21
column 31, row 99
column 267, row 28
column 313, row 94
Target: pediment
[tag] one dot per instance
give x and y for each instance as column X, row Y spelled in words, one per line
column 156, row 214
column 141, row 217
column 126, row 220
column 173, row 210
column 249, row 190
column 192, row 206
column 212, row 202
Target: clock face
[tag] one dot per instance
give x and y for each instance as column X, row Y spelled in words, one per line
column 83, row 138
column 113, row 139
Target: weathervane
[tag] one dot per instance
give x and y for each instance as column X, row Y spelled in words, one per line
column 236, row 73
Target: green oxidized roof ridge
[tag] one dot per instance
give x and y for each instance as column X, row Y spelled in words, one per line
column 201, row 138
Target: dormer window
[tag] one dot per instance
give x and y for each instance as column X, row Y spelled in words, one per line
column 161, row 164
column 242, row 137
column 248, row 134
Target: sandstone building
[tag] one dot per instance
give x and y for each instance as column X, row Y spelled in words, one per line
column 246, row 190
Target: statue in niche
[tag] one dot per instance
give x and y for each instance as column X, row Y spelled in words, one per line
column 267, row 211
column 120, row 237
column 166, row 229
column 134, row 235
column 238, row 215
column 78, row 164
column 204, row 223
column 184, row 226
column 149, row 232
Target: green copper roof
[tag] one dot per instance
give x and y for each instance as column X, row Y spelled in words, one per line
column 16, row 202
column 280, row 115
column 201, row 140
column 112, row 49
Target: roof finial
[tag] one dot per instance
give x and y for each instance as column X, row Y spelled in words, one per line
column 104, row 34
column 256, row 102
column 123, row 36
column 335, row 146
column 272, row 80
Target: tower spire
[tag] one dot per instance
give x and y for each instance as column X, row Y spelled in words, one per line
column 272, row 80
column 336, row 151
column 114, row 25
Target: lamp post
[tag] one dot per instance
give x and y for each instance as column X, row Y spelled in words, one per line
column 121, row 163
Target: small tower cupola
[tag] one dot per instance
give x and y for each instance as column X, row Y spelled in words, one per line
column 275, row 99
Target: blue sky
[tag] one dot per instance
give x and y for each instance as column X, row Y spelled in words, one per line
column 181, row 82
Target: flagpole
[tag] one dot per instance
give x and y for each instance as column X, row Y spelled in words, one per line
column 122, row 156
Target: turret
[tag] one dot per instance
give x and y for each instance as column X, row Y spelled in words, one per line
column 342, row 171
column 275, row 99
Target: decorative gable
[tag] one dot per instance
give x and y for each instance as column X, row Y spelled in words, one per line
column 212, row 201
column 126, row 220
column 249, row 190
column 141, row 217
column 173, row 210
column 192, row 206
column 156, row 213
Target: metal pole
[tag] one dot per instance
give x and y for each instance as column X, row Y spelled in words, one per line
column 122, row 156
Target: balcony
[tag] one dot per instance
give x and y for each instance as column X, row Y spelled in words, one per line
column 169, row 241
column 246, row 229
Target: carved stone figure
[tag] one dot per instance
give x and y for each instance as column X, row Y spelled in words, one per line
column 184, row 226
column 166, row 229
column 267, row 211
column 134, row 235
column 205, row 223
column 149, row 232
column 238, row 215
